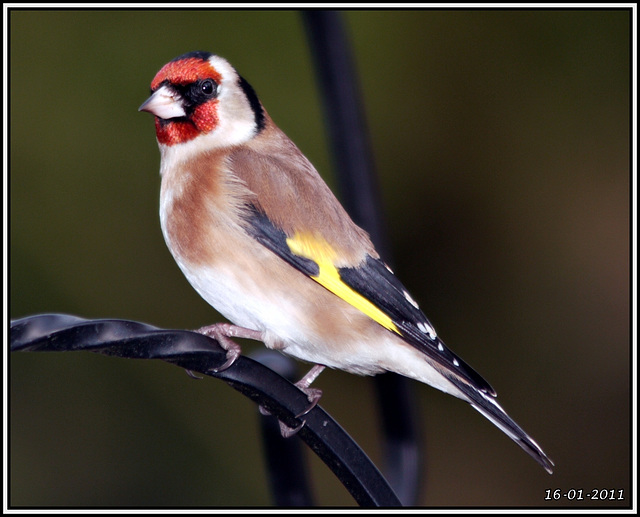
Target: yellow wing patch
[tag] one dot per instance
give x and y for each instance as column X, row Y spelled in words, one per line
column 320, row 251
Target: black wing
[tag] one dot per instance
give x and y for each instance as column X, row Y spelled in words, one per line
column 375, row 282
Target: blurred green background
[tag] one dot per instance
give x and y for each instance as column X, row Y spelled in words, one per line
column 502, row 144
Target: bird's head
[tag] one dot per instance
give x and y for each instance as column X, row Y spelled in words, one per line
column 200, row 98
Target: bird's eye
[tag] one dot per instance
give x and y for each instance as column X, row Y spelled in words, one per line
column 208, row 87
column 198, row 92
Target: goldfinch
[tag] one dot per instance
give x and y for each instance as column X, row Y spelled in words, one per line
column 262, row 238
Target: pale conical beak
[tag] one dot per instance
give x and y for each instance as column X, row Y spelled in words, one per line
column 164, row 104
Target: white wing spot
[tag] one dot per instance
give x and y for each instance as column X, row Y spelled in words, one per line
column 410, row 300
column 440, row 347
column 425, row 328
column 455, row 362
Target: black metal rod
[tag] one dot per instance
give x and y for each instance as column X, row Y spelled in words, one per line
column 345, row 121
column 199, row 353
column 360, row 195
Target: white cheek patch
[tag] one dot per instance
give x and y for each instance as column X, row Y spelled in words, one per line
column 227, row 134
column 230, row 132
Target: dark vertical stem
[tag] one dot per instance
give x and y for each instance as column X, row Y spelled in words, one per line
column 360, row 195
column 285, row 459
column 345, row 122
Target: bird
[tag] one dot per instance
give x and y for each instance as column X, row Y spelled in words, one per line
column 261, row 237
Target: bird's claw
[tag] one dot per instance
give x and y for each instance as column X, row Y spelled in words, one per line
column 313, row 395
column 232, row 357
column 222, row 333
column 288, row 432
column 193, row 375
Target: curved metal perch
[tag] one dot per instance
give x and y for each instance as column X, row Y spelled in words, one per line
column 199, row 353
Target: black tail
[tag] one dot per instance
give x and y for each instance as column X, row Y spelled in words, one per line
column 487, row 405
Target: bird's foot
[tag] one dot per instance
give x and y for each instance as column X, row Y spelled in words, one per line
column 222, row 333
column 313, row 395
